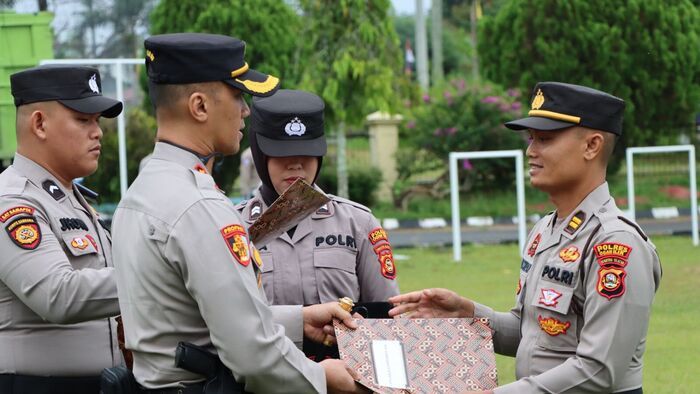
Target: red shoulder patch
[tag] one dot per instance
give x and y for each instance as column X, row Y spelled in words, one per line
column 612, row 253
column 237, row 242
column 376, row 235
column 386, row 260
column 25, row 232
column 14, row 211
column 611, row 281
column 533, row 246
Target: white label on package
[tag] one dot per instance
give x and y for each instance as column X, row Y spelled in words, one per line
column 389, row 364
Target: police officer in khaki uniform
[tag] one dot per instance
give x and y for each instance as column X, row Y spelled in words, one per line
column 185, row 268
column 57, row 290
column 340, row 250
column 588, row 274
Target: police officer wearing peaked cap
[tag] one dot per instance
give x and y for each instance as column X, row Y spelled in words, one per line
column 588, row 274
column 340, row 250
column 57, row 290
column 186, row 271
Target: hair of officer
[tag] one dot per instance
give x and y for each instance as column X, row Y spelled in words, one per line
column 28, row 114
column 169, row 96
column 608, row 143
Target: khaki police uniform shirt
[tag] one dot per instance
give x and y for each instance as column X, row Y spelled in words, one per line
column 584, row 298
column 57, row 288
column 338, row 251
column 186, row 272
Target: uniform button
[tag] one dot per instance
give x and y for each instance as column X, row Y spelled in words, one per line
column 151, row 230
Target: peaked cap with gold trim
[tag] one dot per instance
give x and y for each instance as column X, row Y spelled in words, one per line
column 557, row 106
column 184, row 58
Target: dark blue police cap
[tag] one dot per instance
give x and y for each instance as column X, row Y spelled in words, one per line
column 557, row 106
column 77, row 87
column 289, row 123
column 184, row 58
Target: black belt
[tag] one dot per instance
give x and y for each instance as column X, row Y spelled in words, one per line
column 196, row 388
column 28, row 384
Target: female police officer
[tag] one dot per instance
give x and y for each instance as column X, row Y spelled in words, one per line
column 340, row 250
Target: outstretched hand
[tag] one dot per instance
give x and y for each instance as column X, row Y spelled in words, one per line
column 430, row 303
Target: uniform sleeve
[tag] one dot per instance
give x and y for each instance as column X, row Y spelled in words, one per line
column 291, row 318
column 241, row 324
column 376, row 267
column 619, row 294
column 36, row 269
column 505, row 327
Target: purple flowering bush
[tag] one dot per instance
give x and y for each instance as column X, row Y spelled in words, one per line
column 462, row 117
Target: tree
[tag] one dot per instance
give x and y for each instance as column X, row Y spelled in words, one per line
column 354, row 62
column 270, row 28
column 644, row 51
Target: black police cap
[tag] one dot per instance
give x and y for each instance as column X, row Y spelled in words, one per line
column 289, row 123
column 77, row 87
column 184, row 58
column 557, row 106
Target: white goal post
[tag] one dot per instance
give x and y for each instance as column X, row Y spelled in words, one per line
column 691, row 168
column 454, row 194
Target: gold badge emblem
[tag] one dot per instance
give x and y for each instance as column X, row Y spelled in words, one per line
column 538, row 100
column 553, row 326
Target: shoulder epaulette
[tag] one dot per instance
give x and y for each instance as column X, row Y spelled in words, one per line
column 349, row 202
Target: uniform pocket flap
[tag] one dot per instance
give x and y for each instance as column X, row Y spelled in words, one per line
column 553, row 297
column 337, row 258
column 268, row 262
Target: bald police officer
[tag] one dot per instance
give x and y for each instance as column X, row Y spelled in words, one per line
column 340, row 250
column 588, row 274
column 57, row 291
column 186, row 270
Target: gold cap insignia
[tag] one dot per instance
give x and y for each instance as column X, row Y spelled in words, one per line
column 538, row 100
column 150, row 55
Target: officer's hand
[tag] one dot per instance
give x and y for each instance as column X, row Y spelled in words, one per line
column 430, row 303
column 318, row 320
column 340, row 378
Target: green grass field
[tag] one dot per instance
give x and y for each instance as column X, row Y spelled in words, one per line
column 488, row 273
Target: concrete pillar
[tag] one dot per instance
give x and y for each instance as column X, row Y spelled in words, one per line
column 383, row 146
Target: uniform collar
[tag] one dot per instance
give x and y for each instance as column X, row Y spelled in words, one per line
column 584, row 211
column 570, row 226
column 44, row 180
column 172, row 153
column 40, row 177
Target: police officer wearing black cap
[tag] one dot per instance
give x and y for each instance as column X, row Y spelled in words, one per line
column 186, row 271
column 588, row 274
column 57, row 288
column 339, row 251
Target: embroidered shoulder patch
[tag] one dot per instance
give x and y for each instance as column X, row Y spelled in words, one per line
column 386, row 260
column 14, row 211
column 25, row 232
column 237, row 242
column 553, row 326
column 376, row 235
column 611, row 281
column 612, row 253
column 533, row 246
